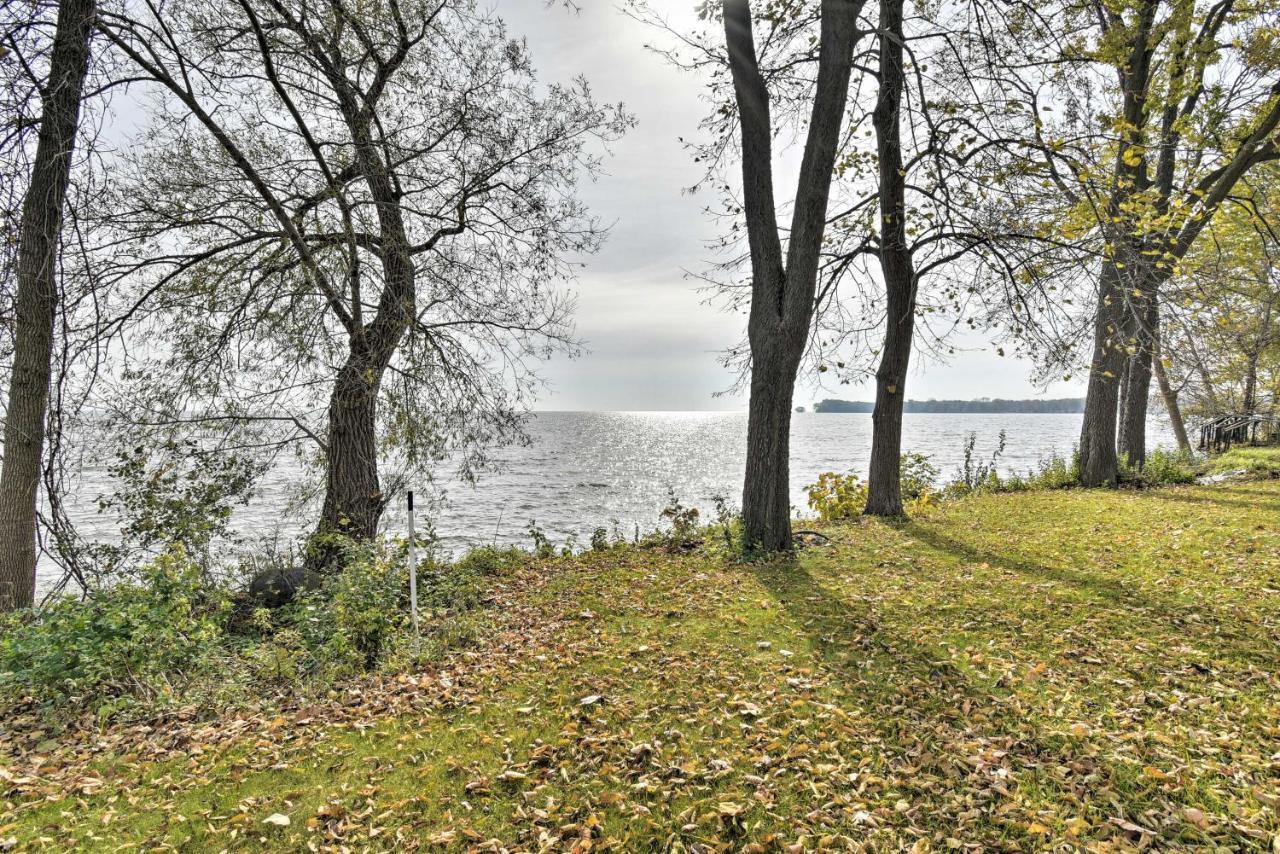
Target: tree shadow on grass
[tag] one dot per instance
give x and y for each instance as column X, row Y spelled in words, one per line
column 1271, row 505
column 1198, row 620
column 934, row 731
column 940, row 728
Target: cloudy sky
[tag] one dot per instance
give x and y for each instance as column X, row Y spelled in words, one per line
column 652, row 342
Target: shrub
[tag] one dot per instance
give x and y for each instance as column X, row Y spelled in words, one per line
column 1163, row 467
column 1055, row 472
column 349, row 619
column 600, row 540
column 542, row 545
column 918, row 478
column 836, row 497
column 492, row 560
column 172, row 494
column 684, row 520
column 145, row 638
column 976, row 475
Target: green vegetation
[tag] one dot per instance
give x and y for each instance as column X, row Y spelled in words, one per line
column 973, row 676
column 176, row 638
column 1265, row 460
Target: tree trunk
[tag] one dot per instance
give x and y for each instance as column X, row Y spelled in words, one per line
column 1170, row 399
column 1137, row 386
column 1098, row 431
column 37, row 302
column 1251, row 382
column 353, row 501
column 782, row 293
column 1122, row 403
column 884, row 489
column 766, row 491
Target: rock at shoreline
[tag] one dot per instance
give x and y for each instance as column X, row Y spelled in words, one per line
column 276, row 587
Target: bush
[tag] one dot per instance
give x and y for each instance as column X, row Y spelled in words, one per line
column 976, row 475
column 168, row 634
column 362, row 612
column 684, row 520
column 1163, row 467
column 1055, row 472
column 144, row 639
column 918, row 478
column 836, row 497
column 348, row 621
column 491, row 560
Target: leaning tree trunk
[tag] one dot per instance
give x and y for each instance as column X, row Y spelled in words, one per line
column 766, row 490
column 1170, row 399
column 353, row 501
column 1137, row 386
column 1251, row 382
column 1098, row 465
column 884, row 488
column 37, row 302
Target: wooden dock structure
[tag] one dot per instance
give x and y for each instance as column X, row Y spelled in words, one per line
column 1220, row 433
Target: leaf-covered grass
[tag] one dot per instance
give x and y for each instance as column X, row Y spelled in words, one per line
column 1008, row 672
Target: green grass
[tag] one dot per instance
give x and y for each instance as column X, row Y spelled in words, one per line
column 1262, row 460
column 1008, row 672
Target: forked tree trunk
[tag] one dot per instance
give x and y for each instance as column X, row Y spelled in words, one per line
column 782, row 292
column 884, row 488
column 766, row 502
column 37, row 302
column 1098, row 430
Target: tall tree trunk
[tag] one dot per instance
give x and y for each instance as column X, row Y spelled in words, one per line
column 37, row 302
column 1170, row 399
column 1098, row 430
column 884, row 489
column 782, row 292
column 766, row 503
column 353, row 501
column 1137, row 386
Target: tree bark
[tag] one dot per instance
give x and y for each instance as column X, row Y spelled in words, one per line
column 37, row 302
column 1137, row 387
column 884, row 489
column 766, row 504
column 353, row 501
column 1251, row 382
column 1170, row 399
column 782, row 293
column 1098, row 431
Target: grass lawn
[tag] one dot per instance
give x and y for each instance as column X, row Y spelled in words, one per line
column 1070, row 670
column 1262, row 460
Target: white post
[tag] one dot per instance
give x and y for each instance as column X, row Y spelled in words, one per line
column 413, row 569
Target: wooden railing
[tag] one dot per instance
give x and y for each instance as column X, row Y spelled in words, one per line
column 1224, row 431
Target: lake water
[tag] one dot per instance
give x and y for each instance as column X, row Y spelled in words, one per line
column 589, row 469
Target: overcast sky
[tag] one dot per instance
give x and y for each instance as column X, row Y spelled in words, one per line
column 652, row 343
